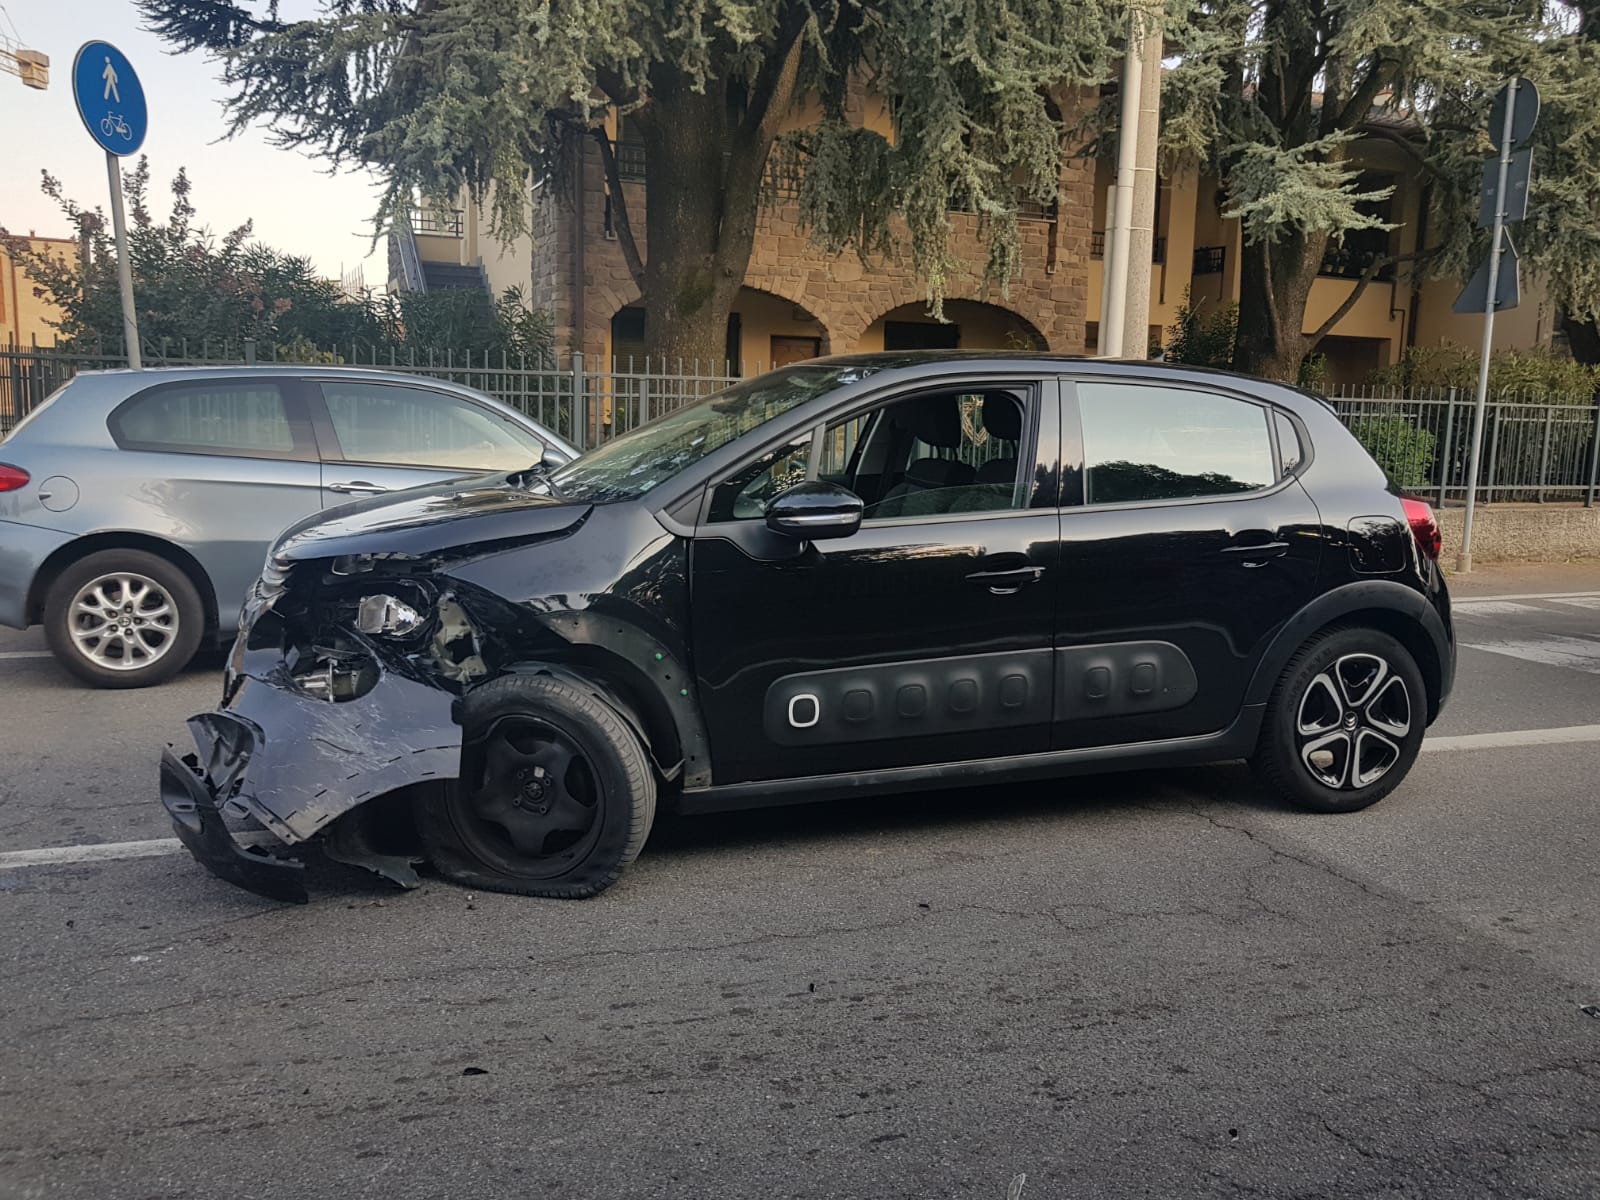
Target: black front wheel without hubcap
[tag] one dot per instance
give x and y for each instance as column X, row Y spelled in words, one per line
column 1345, row 722
column 555, row 797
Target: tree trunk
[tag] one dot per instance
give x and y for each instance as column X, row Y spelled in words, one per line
column 1274, row 284
column 702, row 197
column 1584, row 339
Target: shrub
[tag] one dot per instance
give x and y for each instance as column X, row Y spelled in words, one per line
column 1404, row 451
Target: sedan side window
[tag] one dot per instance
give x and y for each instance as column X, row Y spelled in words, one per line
column 1148, row 442
column 244, row 418
column 413, row 427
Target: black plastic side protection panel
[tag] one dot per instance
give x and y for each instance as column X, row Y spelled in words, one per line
column 1122, row 678
column 911, row 699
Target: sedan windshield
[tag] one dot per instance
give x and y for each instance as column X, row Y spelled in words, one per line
column 629, row 466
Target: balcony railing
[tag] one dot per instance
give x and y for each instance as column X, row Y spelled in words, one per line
column 438, row 222
column 783, row 173
column 1351, row 262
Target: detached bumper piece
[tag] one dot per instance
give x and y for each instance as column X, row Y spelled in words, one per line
column 190, row 794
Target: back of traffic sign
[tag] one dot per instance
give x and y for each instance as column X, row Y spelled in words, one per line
column 110, row 98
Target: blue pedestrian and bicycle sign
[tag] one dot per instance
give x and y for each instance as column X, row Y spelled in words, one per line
column 110, row 98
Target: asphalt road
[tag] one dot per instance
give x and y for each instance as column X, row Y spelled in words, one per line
column 1151, row 984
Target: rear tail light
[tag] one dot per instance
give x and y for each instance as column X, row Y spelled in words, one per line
column 12, row 478
column 1419, row 514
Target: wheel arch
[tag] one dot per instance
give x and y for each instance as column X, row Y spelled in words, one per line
column 1392, row 608
column 75, row 551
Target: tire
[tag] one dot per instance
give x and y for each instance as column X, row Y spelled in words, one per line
column 1345, row 722
column 556, row 794
column 123, row 619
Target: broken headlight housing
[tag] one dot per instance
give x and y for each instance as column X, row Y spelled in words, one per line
column 384, row 615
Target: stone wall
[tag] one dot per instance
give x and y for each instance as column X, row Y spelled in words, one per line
column 1523, row 533
column 1049, row 291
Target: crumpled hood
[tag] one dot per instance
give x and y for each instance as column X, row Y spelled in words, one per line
column 461, row 517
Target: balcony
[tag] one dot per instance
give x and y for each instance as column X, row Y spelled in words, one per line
column 783, row 173
column 1351, row 262
column 438, row 222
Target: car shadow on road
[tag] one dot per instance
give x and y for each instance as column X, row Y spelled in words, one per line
column 1112, row 796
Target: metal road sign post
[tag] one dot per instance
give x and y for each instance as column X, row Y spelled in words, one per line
column 1497, row 283
column 111, row 104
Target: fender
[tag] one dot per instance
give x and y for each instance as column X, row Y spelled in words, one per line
column 1383, row 594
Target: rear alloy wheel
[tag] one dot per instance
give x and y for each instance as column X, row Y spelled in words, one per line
column 1345, row 722
column 556, row 793
column 123, row 619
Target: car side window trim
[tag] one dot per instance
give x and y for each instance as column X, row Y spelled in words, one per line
column 1073, row 448
column 303, row 442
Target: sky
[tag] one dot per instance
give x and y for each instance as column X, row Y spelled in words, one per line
column 295, row 205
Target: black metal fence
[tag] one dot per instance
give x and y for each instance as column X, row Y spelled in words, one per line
column 1542, row 449
column 1535, row 449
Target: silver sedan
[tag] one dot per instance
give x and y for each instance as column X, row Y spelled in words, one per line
column 136, row 506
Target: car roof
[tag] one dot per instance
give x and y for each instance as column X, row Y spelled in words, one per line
column 927, row 362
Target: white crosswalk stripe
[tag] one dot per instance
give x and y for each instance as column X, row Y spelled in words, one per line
column 1577, row 654
column 1491, row 608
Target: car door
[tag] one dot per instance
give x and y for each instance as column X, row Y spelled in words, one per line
column 220, row 466
column 380, row 437
column 925, row 636
column 1186, row 543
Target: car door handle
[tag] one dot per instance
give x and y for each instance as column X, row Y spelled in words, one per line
column 1010, row 580
column 357, row 487
column 1256, row 554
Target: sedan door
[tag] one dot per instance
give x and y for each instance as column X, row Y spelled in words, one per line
column 219, row 466
column 1187, row 542
column 922, row 638
column 381, row 437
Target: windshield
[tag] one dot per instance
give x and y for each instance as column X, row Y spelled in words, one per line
column 629, row 466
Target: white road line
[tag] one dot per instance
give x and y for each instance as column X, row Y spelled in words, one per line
column 1513, row 738
column 55, row 856
column 1576, row 654
column 25, row 654
column 1527, row 596
column 1491, row 608
column 1580, row 601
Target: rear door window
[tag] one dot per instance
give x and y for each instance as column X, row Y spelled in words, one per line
column 415, row 427
column 1146, row 442
column 249, row 418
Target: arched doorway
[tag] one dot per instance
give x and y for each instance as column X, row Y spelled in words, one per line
column 764, row 330
column 968, row 325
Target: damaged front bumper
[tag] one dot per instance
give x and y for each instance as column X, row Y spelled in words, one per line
column 294, row 761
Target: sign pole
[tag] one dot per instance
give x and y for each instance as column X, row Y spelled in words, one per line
column 119, row 227
column 111, row 104
column 1464, row 555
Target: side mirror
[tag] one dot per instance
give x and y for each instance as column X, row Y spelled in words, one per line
column 814, row 510
column 553, row 458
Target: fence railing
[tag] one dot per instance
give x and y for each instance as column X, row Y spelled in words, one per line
column 1534, row 448
column 1542, row 449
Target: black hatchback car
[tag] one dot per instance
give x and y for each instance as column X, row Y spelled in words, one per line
column 855, row 575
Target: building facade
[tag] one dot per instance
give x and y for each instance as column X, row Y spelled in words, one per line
column 798, row 302
column 25, row 318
